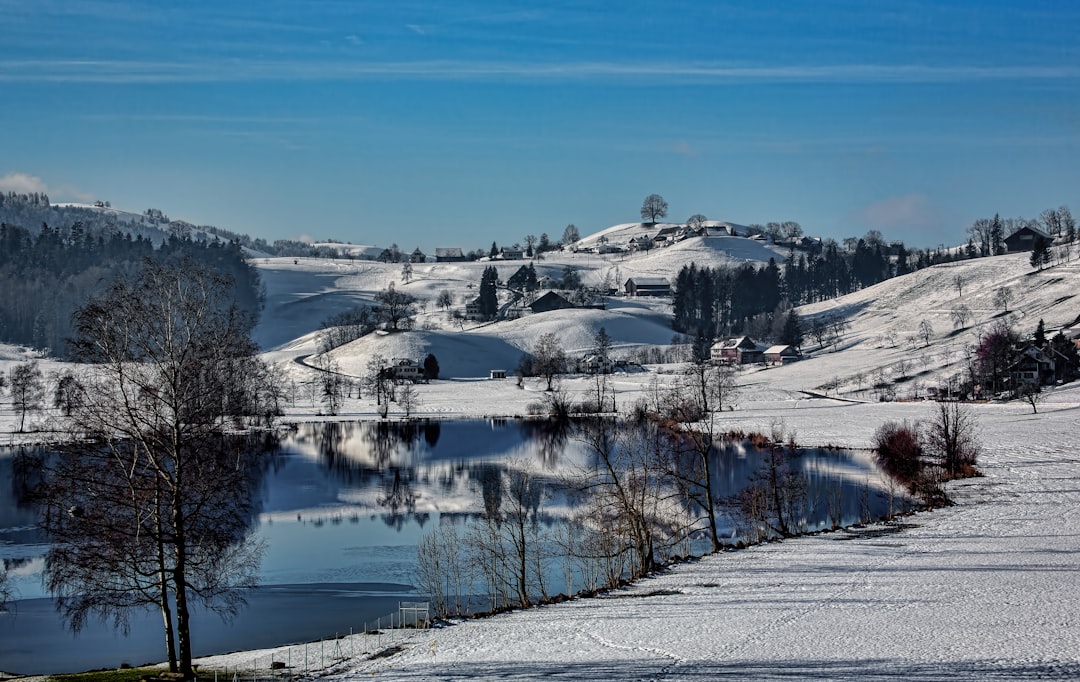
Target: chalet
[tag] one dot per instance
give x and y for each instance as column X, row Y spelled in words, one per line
column 781, row 355
column 550, row 301
column 666, row 236
column 449, row 255
column 405, row 369
column 524, row 278
column 647, row 286
column 1033, row 367
column 605, row 247
column 511, row 254
column 811, row 245
column 472, row 309
column 594, row 363
column 642, row 243
column 1024, row 239
column 720, row 228
column 738, row 351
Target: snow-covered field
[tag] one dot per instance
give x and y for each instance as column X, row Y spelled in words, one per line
column 986, row 589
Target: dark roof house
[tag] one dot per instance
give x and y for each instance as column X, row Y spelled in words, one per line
column 647, row 286
column 1024, row 239
column 449, row 255
column 550, row 301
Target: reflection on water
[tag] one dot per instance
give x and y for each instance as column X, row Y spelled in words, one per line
column 346, row 503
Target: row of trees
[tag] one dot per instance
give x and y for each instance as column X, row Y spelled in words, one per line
column 48, row 276
column 649, row 482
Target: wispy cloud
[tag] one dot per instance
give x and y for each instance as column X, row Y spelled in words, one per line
column 683, row 148
column 909, row 211
column 22, row 183
column 417, row 29
column 120, row 71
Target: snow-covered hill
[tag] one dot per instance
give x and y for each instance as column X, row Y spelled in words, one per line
column 882, row 322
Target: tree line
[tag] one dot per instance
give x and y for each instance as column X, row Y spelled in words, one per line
column 47, row 276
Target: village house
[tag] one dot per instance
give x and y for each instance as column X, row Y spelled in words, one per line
column 550, row 301
column 666, row 236
column 781, row 355
column 647, row 286
column 738, row 351
column 449, row 255
column 1024, row 239
column 405, row 369
column 594, row 363
column 472, row 309
column 511, row 254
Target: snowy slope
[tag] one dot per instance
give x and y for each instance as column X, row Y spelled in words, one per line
column 984, row 590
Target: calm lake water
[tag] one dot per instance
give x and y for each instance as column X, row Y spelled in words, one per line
column 343, row 506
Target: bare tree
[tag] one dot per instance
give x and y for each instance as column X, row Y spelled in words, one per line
column 981, row 232
column 65, row 392
column 1002, row 297
column 443, row 572
column 570, row 235
column 625, row 489
column 376, row 380
column 696, row 221
column 408, row 398
column 548, row 357
column 1032, row 394
column 27, row 389
column 960, row 316
column 445, row 299
column 151, row 506
column 653, row 208
column 926, row 331
column 951, row 439
column 332, row 383
column 395, row 308
column 958, row 281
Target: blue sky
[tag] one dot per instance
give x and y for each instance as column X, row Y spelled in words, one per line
column 456, row 124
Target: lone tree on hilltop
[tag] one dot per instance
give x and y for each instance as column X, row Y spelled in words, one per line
column 653, row 208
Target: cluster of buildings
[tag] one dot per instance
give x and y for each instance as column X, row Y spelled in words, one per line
column 743, row 350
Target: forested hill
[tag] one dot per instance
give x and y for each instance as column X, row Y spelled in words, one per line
column 46, row 276
column 32, row 211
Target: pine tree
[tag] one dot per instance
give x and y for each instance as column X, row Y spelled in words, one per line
column 792, row 334
column 1040, row 335
column 489, row 296
column 1040, row 255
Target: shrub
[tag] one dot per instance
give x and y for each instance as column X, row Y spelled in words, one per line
column 898, row 452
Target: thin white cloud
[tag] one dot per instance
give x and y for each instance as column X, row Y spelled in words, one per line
column 354, row 39
column 682, row 147
column 417, row 29
column 116, row 71
column 22, row 183
column 908, row 211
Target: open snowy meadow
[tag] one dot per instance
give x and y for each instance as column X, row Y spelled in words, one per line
column 987, row 589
